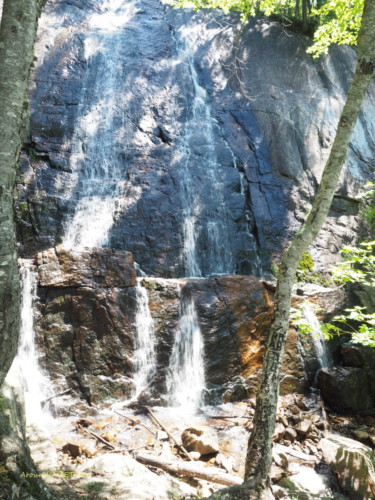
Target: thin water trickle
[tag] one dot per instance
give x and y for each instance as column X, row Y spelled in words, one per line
column 217, row 258
column 36, row 386
column 145, row 343
column 186, row 378
column 320, row 344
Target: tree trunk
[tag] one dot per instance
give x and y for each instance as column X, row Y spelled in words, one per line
column 297, row 9
column 17, row 35
column 304, row 15
column 259, row 453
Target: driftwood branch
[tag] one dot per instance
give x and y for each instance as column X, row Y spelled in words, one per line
column 212, row 474
column 136, row 422
column 99, row 438
column 45, row 401
column 179, row 446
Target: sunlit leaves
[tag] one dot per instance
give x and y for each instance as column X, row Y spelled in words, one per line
column 358, row 266
column 339, row 21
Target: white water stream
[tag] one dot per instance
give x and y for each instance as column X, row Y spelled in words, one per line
column 317, row 336
column 96, row 163
column 200, row 125
column 186, row 381
column 36, row 386
column 145, row 343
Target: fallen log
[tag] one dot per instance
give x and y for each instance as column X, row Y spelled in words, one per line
column 189, row 469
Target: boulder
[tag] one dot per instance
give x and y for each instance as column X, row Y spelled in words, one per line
column 345, row 390
column 130, row 479
column 303, row 427
column 279, row 432
column 352, row 356
column 201, row 439
column 354, row 464
column 94, row 268
column 290, row 434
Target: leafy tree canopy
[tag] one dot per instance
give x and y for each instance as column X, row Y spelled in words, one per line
column 337, row 21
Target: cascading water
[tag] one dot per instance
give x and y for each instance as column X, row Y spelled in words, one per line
column 96, row 144
column 217, row 258
column 186, row 380
column 37, row 388
column 145, row 343
column 317, row 335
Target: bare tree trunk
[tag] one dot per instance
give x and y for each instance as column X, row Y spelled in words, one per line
column 17, row 35
column 304, row 15
column 297, row 9
column 259, row 453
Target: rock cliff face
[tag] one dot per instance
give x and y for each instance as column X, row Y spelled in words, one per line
column 201, row 132
column 86, row 325
column 156, row 135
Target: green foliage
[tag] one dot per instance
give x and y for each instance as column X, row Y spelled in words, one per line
column 94, row 486
column 306, row 263
column 359, row 324
column 339, row 22
column 299, row 321
column 357, row 266
column 305, row 272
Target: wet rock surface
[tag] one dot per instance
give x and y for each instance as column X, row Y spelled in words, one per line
column 270, row 142
column 86, row 325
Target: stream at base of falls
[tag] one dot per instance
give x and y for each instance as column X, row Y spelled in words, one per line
column 25, row 373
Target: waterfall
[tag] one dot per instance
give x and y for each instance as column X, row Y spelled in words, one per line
column 145, row 342
column 317, row 336
column 217, row 258
column 186, row 381
column 37, row 388
column 96, row 144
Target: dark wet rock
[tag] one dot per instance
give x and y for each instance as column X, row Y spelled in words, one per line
column 86, row 309
column 354, row 464
column 86, row 328
column 271, row 133
column 352, row 356
column 345, row 389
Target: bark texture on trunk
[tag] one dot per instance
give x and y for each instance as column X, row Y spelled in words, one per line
column 17, row 35
column 259, row 453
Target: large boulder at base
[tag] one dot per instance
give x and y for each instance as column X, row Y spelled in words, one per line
column 345, row 390
column 354, row 464
column 352, row 356
column 201, row 439
column 361, row 356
